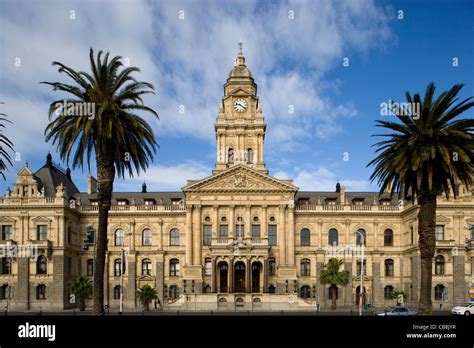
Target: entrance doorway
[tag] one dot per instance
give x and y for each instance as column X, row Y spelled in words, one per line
column 364, row 296
column 223, row 272
column 256, row 267
column 239, row 277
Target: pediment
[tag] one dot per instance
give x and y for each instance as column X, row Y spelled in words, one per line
column 40, row 219
column 441, row 218
column 239, row 91
column 25, row 171
column 240, row 178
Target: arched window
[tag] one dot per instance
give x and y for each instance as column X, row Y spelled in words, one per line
column 388, row 292
column 440, row 292
column 305, row 267
column 174, row 291
column 117, row 292
column 333, row 237
column 207, row 267
column 305, row 237
column 146, row 237
column 117, row 267
column 305, row 292
column 359, row 268
column 119, row 236
column 174, row 268
column 5, row 265
column 361, row 237
column 388, row 237
column 90, row 267
column 271, row 289
column 41, row 265
column 146, row 267
column 330, row 292
column 439, row 265
column 389, row 268
column 249, row 156
column 41, row 292
column 174, row 237
column 271, row 266
column 230, row 155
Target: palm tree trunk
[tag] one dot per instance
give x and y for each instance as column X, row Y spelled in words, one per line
column 105, row 174
column 426, row 243
column 333, row 297
column 82, row 305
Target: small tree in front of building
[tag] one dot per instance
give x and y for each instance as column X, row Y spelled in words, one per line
column 399, row 295
column 332, row 276
column 146, row 294
column 81, row 288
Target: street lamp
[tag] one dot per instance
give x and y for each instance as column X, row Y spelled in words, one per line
column 361, row 291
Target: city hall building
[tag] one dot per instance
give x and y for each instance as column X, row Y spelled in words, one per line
column 237, row 239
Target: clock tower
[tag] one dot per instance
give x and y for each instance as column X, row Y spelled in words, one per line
column 240, row 126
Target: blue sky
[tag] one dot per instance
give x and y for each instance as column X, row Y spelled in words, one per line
column 295, row 61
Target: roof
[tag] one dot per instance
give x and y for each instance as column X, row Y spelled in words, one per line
column 366, row 197
column 137, row 198
column 51, row 176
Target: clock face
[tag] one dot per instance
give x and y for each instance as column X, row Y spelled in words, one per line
column 240, row 105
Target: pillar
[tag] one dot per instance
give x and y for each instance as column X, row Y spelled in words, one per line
column 248, row 223
column 231, row 228
column 263, row 225
column 213, row 275
column 290, row 250
column 160, row 232
column 197, row 236
column 281, row 235
column 248, row 276
column 377, row 291
column 230, row 282
column 189, row 236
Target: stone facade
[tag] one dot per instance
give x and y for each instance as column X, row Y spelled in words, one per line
column 238, row 239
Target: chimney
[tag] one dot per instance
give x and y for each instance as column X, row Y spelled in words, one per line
column 338, row 187
column 144, row 187
column 91, row 184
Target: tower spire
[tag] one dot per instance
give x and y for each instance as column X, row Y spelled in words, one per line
column 240, row 60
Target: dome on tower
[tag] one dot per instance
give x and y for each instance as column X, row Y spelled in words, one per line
column 240, row 69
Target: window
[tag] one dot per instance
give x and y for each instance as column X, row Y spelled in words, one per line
column 330, row 292
column 174, row 237
column 149, row 201
column 272, row 235
column 361, row 237
column 271, row 267
column 174, row 293
column 174, row 268
column 90, row 267
column 271, row 289
column 41, row 292
column 305, row 237
column 6, row 232
column 249, row 156
column 117, row 267
column 330, row 201
column 207, row 231
column 146, row 267
column 440, row 292
column 117, row 291
column 223, row 232
column 230, row 155
column 146, row 237
column 94, row 202
column 389, row 268
column 4, row 292
column 333, row 237
column 388, row 237
column 42, row 232
column 256, row 233
column 41, row 265
column 305, row 267
column 439, row 232
column 119, row 237
column 5, row 265
column 388, row 292
column 25, row 190
column 207, row 267
column 122, row 202
column 359, row 268
column 239, row 230
column 439, row 265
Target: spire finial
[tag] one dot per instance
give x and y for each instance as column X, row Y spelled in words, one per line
column 240, row 56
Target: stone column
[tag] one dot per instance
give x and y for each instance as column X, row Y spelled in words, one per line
column 160, row 270
column 230, row 273
column 189, row 235
column 348, row 296
column 263, row 278
column 131, row 286
column 248, row 223
column 459, row 295
column 197, row 237
column 264, row 226
column 132, row 231
column 281, row 235
column 377, row 286
column 290, row 251
column 160, row 231
column 319, row 287
column 60, row 285
column 248, row 276
column 21, row 293
column 402, row 277
column 231, row 228
column 260, row 148
column 213, row 275
column 215, row 222
column 257, row 150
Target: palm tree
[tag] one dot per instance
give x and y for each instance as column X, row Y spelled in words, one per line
column 4, row 141
column 423, row 157
column 399, row 293
column 122, row 141
column 145, row 295
column 81, row 287
column 331, row 275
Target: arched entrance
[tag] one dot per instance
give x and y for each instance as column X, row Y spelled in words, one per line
column 364, row 296
column 256, row 267
column 239, row 277
column 305, row 292
column 223, row 272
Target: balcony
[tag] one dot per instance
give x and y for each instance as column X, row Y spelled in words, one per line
column 446, row 244
column 159, row 208
column 346, row 208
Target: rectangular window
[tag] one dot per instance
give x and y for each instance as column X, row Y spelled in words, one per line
column 239, row 231
column 439, row 232
column 271, row 267
column 25, row 190
column 256, row 233
column 223, row 232
column 149, row 201
column 122, row 202
column 42, row 232
column 207, row 231
column 208, row 268
column 272, row 235
column 6, row 232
